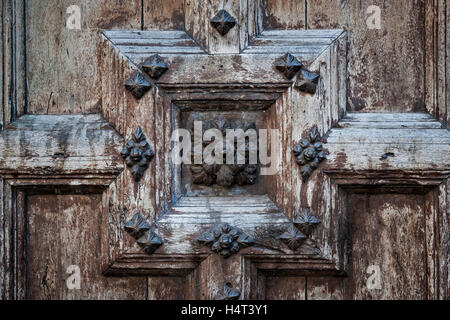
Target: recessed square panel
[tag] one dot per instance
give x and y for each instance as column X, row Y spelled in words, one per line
column 227, row 179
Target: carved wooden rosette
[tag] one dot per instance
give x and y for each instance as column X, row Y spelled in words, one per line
column 146, row 238
column 225, row 240
column 309, row 153
column 137, row 154
column 226, row 175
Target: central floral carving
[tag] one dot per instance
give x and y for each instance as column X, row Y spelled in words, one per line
column 227, row 175
column 225, row 240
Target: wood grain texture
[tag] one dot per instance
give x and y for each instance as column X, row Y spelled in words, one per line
column 39, row 145
column 163, row 15
column 284, row 288
column 198, row 25
column 63, row 231
column 14, row 83
column 284, row 14
column 387, row 231
column 62, row 70
column 437, row 59
column 397, row 148
column 386, row 70
column 167, row 288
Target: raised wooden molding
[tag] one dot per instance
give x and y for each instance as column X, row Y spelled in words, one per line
column 394, row 144
column 361, row 154
column 249, row 79
column 50, row 146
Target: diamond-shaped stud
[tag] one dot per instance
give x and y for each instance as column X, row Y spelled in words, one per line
column 306, row 223
column 307, row 81
column 229, row 293
column 289, row 65
column 137, row 226
column 138, row 85
column 293, row 238
column 155, row 66
column 223, row 22
column 150, row 241
column 146, row 238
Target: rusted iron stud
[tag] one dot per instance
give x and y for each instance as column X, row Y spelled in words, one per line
column 146, row 238
column 138, row 85
column 137, row 154
column 309, row 153
column 223, row 22
column 300, row 230
column 225, row 240
column 307, row 81
column 155, row 66
column 288, row 65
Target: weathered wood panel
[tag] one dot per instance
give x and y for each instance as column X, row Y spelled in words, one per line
column 198, row 25
column 324, row 288
column 388, row 256
column 284, row 14
column 404, row 145
column 163, row 15
column 284, row 288
column 64, row 231
column 386, row 70
column 62, row 70
column 167, row 288
column 437, row 59
column 14, row 85
column 40, row 145
column 387, row 231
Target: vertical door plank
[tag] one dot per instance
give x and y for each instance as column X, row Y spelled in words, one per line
column 386, row 69
column 324, row 288
column 167, row 288
column 196, row 13
column 387, row 231
column 14, row 85
column 198, row 25
column 284, row 288
column 163, row 15
column 62, row 71
column 64, row 230
column 284, row 14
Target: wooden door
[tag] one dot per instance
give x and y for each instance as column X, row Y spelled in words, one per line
column 93, row 205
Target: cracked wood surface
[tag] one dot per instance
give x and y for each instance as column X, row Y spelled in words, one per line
column 386, row 170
